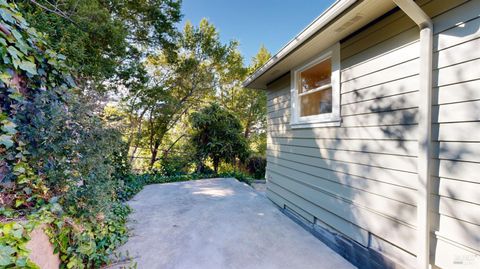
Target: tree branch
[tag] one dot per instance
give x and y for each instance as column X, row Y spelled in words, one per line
column 173, row 144
column 58, row 12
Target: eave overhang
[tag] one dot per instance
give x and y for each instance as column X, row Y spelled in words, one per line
column 340, row 20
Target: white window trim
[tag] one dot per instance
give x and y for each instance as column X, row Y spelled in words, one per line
column 321, row 120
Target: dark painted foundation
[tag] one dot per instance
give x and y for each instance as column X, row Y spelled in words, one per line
column 358, row 255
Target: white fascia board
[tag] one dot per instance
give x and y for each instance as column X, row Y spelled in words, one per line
column 321, row 21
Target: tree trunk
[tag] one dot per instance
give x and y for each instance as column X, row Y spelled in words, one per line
column 200, row 167
column 247, row 129
column 216, row 162
column 154, row 152
column 135, row 135
column 248, row 125
column 132, row 157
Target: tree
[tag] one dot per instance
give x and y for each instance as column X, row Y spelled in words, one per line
column 104, row 40
column 180, row 82
column 249, row 104
column 217, row 133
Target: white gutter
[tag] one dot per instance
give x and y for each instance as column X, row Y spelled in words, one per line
column 321, row 21
column 425, row 128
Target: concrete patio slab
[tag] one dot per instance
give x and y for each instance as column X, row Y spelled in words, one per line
column 219, row 223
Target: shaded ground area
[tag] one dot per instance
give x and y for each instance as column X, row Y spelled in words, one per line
column 219, row 223
column 260, row 186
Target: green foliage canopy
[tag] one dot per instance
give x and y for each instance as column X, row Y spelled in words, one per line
column 217, row 133
column 250, row 105
column 104, row 40
column 181, row 82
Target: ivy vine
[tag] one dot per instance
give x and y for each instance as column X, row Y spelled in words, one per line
column 51, row 185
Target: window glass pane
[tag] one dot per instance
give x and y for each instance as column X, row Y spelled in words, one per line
column 316, row 76
column 316, row 103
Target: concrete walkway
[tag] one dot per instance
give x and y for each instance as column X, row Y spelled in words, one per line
column 219, row 223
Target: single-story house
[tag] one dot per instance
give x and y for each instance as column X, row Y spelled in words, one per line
column 374, row 131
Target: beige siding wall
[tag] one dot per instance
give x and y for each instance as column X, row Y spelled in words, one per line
column 456, row 110
column 360, row 178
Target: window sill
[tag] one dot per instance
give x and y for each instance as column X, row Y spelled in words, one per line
column 316, row 124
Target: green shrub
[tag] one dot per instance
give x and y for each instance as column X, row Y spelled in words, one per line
column 217, row 135
column 256, row 166
column 89, row 244
column 60, row 164
column 174, row 165
column 13, row 241
column 240, row 176
column 130, row 186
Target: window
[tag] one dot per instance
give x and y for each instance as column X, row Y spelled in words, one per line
column 315, row 91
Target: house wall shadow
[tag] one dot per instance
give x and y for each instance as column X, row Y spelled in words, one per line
column 310, row 175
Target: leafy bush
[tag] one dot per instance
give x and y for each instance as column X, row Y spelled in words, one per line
column 88, row 244
column 13, row 242
column 60, row 164
column 238, row 175
column 256, row 166
column 218, row 135
column 79, row 157
column 130, row 186
column 174, row 164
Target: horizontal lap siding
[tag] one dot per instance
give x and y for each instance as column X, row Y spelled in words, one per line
column 360, row 178
column 456, row 135
column 314, row 155
column 380, row 174
column 343, row 208
column 349, row 181
column 408, row 148
column 389, row 132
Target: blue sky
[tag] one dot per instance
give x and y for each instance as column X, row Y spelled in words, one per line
column 253, row 23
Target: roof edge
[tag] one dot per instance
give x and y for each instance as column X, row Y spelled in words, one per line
column 326, row 17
